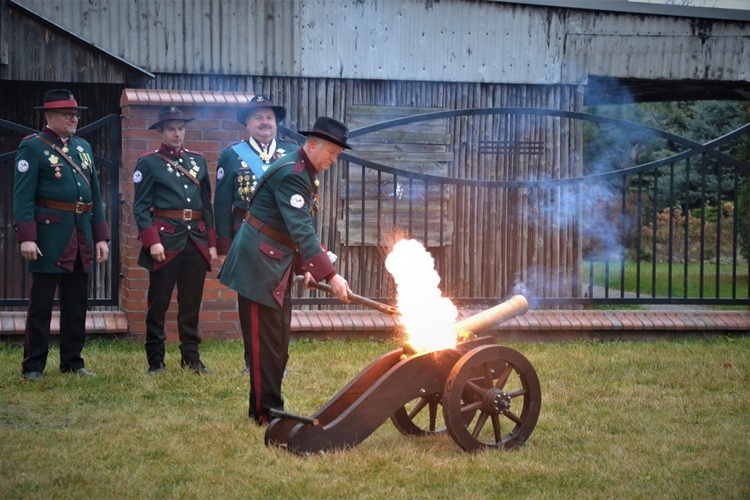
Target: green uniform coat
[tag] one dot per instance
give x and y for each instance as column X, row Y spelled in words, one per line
column 159, row 185
column 259, row 267
column 235, row 182
column 42, row 174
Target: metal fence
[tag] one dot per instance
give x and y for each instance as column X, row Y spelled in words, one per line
column 506, row 203
column 667, row 231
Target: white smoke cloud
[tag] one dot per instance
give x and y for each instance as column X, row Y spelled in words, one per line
column 427, row 316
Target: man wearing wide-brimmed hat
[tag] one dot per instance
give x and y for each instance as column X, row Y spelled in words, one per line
column 173, row 213
column 277, row 241
column 61, row 228
column 240, row 167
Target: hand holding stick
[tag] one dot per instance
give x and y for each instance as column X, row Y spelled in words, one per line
column 357, row 299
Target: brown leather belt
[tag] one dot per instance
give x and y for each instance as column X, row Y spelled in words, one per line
column 78, row 207
column 186, row 214
column 270, row 232
column 239, row 212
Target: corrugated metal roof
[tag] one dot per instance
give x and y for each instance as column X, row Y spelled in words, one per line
column 729, row 10
column 450, row 41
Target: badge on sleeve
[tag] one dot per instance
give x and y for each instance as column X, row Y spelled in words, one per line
column 220, row 173
column 137, row 176
column 23, row 166
column 297, row 201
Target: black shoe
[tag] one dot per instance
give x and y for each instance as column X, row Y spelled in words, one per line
column 83, row 372
column 33, row 376
column 198, row 368
column 156, row 368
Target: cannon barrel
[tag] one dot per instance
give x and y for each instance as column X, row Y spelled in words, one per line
column 489, row 318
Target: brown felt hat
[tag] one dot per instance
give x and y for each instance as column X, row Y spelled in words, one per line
column 169, row 113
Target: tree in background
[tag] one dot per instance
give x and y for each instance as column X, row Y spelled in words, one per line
column 701, row 187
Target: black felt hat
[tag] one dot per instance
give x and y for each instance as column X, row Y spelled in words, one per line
column 260, row 102
column 169, row 113
column 330, row 130
column 59, row 99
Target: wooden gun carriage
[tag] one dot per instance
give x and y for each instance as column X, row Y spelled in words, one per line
column 489, row 395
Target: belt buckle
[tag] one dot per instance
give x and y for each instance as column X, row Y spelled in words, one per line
column 187, row 214
column 79, row 207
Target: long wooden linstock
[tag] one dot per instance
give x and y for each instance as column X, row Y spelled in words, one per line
column 357, row 299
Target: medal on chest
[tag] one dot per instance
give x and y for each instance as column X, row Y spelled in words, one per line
column 55, row 164
column 246, row 182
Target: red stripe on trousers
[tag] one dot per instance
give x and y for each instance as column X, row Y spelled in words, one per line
column 255, row 338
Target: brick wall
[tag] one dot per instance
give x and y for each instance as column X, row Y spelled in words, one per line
column 214, row 128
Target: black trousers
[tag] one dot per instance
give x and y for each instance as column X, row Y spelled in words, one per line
column 266, row 333
column 73, row 295
column 188, row 271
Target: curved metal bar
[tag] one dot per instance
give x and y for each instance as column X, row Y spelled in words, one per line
column 694, row 148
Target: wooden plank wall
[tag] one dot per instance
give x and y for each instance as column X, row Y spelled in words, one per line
column 375, row 202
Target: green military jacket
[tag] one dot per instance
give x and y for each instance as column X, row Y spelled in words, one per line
column 258, row 266
column 43, row 177
column 235, row 182
column 161, row 184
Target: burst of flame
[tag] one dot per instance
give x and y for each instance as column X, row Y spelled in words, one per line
column 427, row 317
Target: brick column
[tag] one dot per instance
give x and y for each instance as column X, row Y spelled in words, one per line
column 215, row 127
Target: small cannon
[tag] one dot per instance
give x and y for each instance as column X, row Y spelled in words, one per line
column 489, row 394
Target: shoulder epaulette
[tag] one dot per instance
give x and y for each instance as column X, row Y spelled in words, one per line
column 299, row 167
column 149, row 153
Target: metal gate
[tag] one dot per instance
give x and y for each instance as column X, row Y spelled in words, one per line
column 519, row 212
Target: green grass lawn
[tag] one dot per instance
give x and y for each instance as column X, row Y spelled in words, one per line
column 618, row 420
column 732, row 283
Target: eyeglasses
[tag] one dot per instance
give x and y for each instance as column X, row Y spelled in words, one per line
column 69, row 116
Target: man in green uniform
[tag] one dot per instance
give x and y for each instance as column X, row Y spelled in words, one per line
column 276, row 242
column 239, row 168
column 172, row 210
column 243, row 163
column 61, row 227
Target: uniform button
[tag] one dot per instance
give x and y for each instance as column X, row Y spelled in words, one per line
column 188, row 199
column 46, row 221
column 161, row 228
column 186, row 186
column 188, row 228
column 78, row 183
column 271, row 252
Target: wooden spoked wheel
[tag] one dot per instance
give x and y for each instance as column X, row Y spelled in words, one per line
column 420, row 417
column 499, row 389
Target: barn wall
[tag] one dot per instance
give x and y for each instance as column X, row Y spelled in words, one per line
column 449, row 40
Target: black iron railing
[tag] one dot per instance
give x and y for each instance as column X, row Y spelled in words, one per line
column 638, row 235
